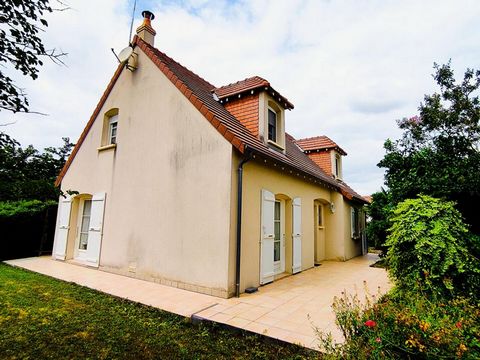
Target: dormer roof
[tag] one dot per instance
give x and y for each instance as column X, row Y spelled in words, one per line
column 248, row 85
column 319, row 143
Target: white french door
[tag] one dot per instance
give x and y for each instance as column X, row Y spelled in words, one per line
column 83, row 226
column 89, row 230
column 279, row 237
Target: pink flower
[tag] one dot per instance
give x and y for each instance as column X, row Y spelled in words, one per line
column 378, row 340
column 370, row 323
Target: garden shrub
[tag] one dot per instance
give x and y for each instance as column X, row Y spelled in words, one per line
column 404, row 326
column 429, row 249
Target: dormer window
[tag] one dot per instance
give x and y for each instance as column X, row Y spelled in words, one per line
column 258, row 107
column 325, row 153
column 272, row 125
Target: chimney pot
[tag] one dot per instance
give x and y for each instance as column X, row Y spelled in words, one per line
column 148, row 15
column 146, row 31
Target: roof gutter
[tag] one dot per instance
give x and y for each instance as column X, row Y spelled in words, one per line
column 246, row 159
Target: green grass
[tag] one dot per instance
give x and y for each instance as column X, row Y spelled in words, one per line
column 44, row 318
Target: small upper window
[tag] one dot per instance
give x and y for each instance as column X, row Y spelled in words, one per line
column 112, row 132
column 272, row 125
column 109, row 130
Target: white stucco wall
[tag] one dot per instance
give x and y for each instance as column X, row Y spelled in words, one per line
column 167, row 184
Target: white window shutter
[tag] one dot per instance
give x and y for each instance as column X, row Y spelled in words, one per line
column 267, row 237
column 297, row 235
column 95, row 230
column 63, row 226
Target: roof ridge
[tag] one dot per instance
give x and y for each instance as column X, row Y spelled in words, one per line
column 315, row 137
column 244, row 80
column 319, row 142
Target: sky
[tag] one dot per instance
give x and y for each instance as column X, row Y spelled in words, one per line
column 351, row 68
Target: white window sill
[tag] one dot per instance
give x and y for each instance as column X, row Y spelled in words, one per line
column 107, row 147
column 273, row 143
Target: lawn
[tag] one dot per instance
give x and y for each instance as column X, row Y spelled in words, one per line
column 41, row 317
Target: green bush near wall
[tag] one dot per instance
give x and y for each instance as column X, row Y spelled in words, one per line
column 430, row 249
column 27, row 228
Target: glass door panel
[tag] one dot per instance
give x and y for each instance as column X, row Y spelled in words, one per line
column 87, row 209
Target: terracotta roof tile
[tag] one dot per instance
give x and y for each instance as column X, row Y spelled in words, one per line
column 199, row 92
column 252, row 83
column 243, row 85
column 319, row 143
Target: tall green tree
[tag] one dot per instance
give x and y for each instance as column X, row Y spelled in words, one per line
column 378, row 212
column 21, row 48
column 28, row 174
column 439, row 152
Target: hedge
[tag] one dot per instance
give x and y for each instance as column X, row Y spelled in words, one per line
column 27, row 228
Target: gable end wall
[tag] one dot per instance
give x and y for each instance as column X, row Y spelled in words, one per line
column 167, row 184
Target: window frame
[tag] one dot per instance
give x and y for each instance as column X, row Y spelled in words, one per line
column 84, row 217
column 355, row 223
column 112, row 126
column 337, row 165
column 277, row 219
column 110, row 118
column 272, row 111
column 320, row 215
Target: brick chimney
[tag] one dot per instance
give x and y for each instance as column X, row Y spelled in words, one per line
column 145, row 31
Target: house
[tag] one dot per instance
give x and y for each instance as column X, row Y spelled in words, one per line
column 199, row 187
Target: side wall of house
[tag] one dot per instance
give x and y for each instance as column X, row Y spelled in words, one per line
column 287, row 187
column 167, row 185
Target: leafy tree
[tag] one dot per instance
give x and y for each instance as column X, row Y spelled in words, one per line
column 22, row 48
column 439, row 152
column 378, row 212
column 428, row 249
column 27, row 174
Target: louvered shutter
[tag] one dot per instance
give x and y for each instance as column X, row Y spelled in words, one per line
column 63, row 226
column 95, row 230
column 267, row 237
column 297, row 235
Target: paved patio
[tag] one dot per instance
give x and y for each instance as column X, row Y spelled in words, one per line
column 287, row 309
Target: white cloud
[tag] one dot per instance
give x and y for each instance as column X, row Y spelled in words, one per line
column 351, row 68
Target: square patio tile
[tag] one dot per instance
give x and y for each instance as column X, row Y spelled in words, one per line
column 287, row 309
